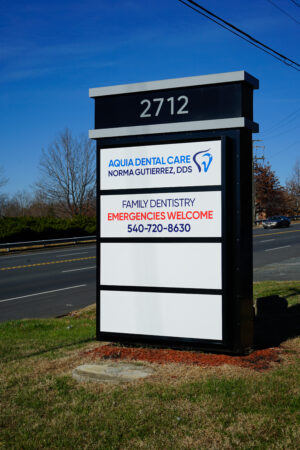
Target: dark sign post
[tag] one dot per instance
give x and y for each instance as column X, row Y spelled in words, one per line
column 174, row 176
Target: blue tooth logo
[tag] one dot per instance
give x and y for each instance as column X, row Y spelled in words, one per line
column 206, row 159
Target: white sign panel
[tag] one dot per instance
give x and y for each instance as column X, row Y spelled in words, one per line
column 165, row 165
column 168, row 264
column 180, row 214
column 162, row 314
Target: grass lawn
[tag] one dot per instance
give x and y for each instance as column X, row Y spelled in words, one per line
column 178, row 407
column 287, row 289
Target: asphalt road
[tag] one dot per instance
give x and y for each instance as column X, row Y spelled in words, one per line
column 50, row 283
column 47, row 283
column 276, row 254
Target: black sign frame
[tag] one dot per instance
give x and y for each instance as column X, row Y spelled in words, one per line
column 233, row 336
column 237, row 277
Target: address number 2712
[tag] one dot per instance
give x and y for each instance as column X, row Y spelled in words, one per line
column 175, row 106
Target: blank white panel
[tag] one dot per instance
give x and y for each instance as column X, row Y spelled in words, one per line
column 162, row 314
column 184, row 265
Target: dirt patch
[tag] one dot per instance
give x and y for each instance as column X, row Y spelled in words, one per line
column 258, row 360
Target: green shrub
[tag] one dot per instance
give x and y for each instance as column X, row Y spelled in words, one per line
column 18, row 229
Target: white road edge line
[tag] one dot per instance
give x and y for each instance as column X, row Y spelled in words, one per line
column 277, row 248
column 267, row 240
column 74, row 270
column 41, row 293
column 71, row 254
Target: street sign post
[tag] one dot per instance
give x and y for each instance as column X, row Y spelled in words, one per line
column 174, row 252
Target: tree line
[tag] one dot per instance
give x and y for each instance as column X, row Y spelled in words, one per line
column 270, row 197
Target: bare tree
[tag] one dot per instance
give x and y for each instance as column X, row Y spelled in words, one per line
column 19, row 204
column 293, row 186
column 3, row 197
column 3, row 179
column 3, row 204
column 68, row 175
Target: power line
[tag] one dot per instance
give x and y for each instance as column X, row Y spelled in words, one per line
column 282, row 122
column 283, row 11
column 241, row 34
column 285, row 150
column 295, row 3
column 276, row 135
column 239, row 31
column 247, row 40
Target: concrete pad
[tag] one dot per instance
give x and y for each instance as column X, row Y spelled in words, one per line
column 112, row 373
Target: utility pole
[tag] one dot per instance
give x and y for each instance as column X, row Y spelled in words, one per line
column 255, row 159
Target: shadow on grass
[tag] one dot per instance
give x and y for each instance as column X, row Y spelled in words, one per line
column 48, row 350
column 275, row 322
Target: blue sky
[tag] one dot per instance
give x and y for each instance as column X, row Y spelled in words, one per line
column 52, row 52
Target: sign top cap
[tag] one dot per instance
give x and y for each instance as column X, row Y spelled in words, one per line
column 218, row 78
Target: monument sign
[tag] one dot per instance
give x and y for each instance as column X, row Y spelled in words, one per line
column 174, row 251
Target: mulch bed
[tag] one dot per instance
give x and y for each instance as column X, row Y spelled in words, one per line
column 258, row 360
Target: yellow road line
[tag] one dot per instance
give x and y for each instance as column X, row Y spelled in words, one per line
column 278, row 232
column 47, row 263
